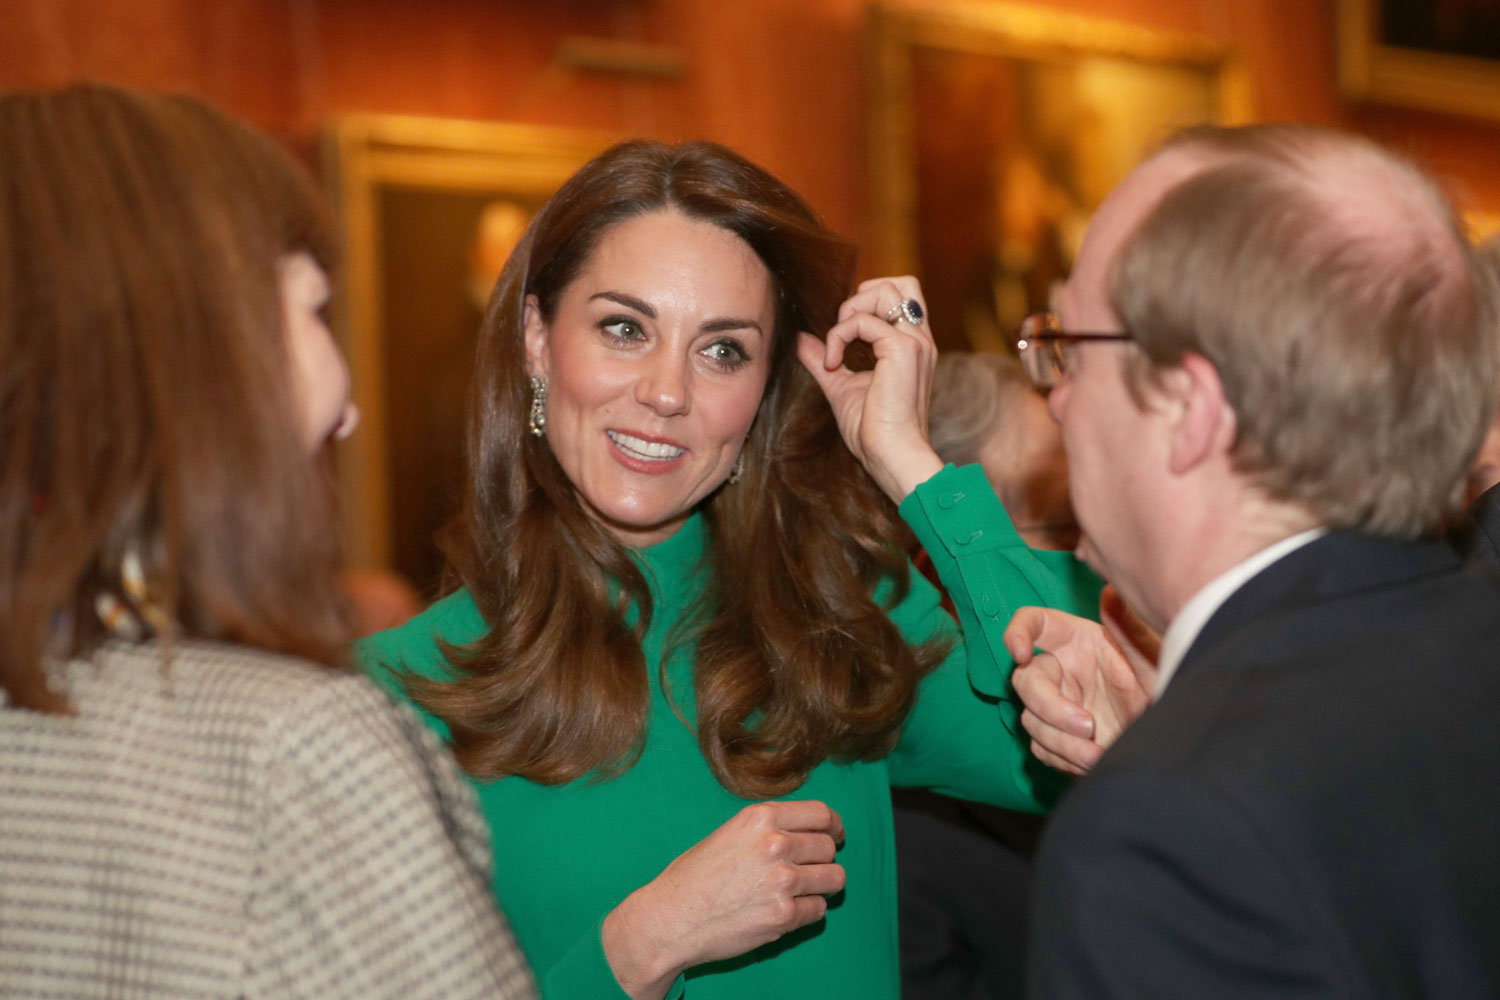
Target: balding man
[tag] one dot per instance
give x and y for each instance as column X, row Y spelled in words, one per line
column 1273, row 364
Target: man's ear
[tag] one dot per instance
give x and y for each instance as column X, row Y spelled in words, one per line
column 1202, row 423
column 535, row 332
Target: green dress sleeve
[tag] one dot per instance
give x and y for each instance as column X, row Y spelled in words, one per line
column 964, row 737
column 584, row 972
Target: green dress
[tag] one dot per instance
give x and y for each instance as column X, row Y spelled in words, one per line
column 566, row 855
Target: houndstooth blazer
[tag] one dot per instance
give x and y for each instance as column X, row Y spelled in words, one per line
column 239, row 824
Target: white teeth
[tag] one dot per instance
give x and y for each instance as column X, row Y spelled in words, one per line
column 652, row 451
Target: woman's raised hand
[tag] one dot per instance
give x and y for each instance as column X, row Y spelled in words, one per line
column 763, row 873
column 882, row 414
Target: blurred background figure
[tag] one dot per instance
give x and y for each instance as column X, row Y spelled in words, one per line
column 381, row 599
column 196, row 801
column 985, row 411
column 963, row 868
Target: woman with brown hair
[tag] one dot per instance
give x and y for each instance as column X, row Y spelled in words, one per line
column 685, row 595
column 195, row 802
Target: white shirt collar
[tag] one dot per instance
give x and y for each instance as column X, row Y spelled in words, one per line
column 1202, row 605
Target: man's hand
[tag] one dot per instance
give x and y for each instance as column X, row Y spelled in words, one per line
column 1081, row 683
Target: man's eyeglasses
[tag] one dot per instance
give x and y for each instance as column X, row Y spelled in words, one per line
column 1046, row 349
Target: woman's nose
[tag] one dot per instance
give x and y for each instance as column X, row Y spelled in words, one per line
column 663, row 386
column 348, row 420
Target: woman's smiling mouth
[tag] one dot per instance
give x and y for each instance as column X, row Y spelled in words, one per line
column 642, row 450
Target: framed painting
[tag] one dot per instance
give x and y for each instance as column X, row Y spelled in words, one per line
column 995, row 131
column 430, row 209
column 1440, row 55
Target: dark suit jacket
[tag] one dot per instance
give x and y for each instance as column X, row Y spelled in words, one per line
column 1477, row 535
column 1313, row 807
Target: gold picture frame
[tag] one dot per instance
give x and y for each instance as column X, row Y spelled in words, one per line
column 1397, row 52
column 967, row 102
column 411, row 193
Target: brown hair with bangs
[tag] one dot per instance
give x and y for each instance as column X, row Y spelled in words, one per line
column 788, row 633
column 146, row 393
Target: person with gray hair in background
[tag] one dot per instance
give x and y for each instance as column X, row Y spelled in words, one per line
column 985, row 411
column 1273, row 366
column 963, row 868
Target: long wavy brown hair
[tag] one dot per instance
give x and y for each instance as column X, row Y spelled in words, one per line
column 146, row 400
column 794, row 660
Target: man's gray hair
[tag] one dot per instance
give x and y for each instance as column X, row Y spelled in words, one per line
column 1331, row 286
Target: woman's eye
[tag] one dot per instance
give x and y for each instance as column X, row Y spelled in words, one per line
column 622, row 330
column 727, row 354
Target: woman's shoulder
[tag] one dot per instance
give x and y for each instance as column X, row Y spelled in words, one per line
column 205, row 701
column 416, row 646
column 196, row 673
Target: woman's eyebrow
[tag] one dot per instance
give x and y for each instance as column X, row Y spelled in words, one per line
column 731, row 323
column 643, row 307
column 630, row 301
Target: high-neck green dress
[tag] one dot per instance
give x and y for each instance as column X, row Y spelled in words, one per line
column 566, row 855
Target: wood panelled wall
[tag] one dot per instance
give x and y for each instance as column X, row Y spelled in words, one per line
column 778, row 79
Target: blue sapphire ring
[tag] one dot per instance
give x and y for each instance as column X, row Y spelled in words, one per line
column 907, row 309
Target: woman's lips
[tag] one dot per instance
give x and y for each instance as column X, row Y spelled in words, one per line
column 642, row 454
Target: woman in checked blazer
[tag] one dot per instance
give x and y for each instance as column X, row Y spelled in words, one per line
column 196, row 801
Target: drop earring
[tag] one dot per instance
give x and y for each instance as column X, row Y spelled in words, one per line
column 538, row 419
column 737, row 469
